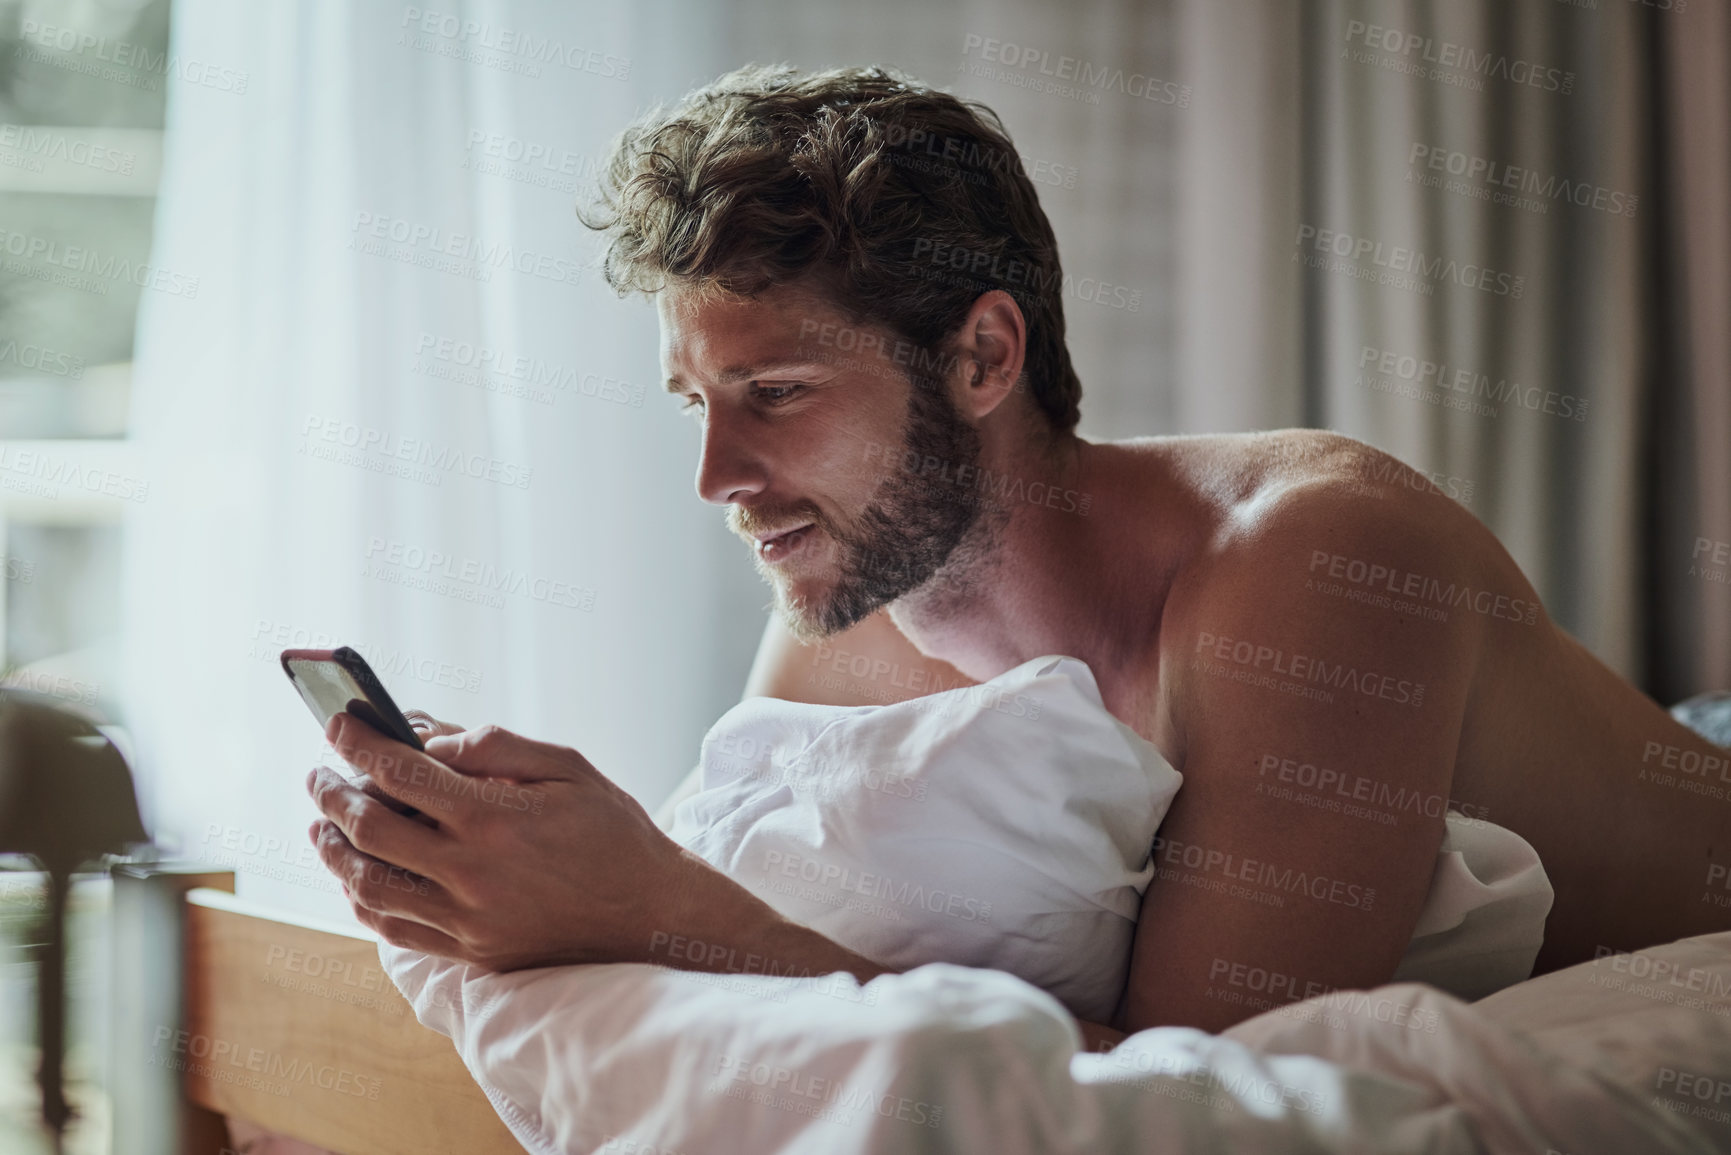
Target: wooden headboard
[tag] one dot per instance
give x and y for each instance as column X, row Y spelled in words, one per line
column 283, row 1022
column 321, row 1045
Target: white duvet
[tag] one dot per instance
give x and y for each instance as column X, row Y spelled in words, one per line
column 639, row 1060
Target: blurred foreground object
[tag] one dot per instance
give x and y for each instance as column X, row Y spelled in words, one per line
column 1709, row 715
column 65, row 798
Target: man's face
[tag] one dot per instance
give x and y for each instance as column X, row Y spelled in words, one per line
column 833, row 464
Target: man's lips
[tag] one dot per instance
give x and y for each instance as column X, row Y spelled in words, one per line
column 764, row 539
column 780, row 546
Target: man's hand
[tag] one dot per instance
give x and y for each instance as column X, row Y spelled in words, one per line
column 537, row 858
column 428, row 726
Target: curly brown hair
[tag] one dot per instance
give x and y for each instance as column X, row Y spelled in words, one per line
column 901, row 202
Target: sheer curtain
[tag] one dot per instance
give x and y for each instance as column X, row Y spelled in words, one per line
column 391, row 196
column 403, row 414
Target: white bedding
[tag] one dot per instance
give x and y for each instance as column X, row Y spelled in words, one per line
column 1008, row 826
column 634, row 1059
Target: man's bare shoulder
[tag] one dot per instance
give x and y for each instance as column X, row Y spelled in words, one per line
column 1297, row 487
column 1328, row 555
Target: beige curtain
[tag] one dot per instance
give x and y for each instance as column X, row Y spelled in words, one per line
column 1691, row 499
column 1377, row 129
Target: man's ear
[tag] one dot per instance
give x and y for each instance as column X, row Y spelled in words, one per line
column 990, row 349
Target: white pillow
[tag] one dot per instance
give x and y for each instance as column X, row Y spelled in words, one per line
column 1006, row 825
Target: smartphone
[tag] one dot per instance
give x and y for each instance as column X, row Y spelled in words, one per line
column 332, row 681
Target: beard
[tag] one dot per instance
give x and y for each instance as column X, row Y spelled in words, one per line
column 917, row 526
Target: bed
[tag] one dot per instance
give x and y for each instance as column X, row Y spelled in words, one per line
column 287, row 1027
column 306, row 1035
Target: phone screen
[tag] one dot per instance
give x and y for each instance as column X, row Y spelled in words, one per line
column 334, row 681
column 330, row 686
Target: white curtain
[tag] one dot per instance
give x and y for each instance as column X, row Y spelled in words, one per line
column 364, row 117
column 320, row 471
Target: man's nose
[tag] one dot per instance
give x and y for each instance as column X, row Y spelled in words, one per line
column 729, row 469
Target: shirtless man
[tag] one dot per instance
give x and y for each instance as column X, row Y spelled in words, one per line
column 1287, row 616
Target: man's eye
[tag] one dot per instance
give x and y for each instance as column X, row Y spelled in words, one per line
column 776, row 394
column 692, row 402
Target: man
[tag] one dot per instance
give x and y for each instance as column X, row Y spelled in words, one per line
column 860, row 299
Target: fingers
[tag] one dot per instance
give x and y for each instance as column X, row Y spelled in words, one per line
column 376, row 888
column 426, row 725
column 406, row 774
column 496, row 752
column 372, row 827
column 411, row 935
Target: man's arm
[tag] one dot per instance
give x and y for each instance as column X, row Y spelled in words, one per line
column 1318, row 723
column 540, row 860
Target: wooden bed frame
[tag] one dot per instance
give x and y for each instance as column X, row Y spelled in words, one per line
column 280, row 1021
